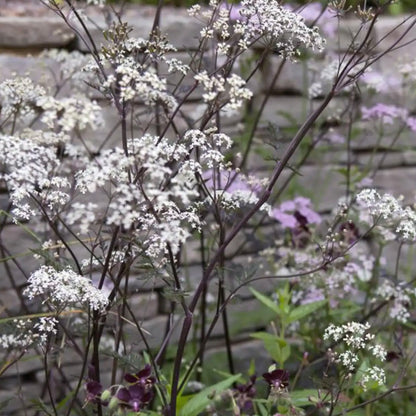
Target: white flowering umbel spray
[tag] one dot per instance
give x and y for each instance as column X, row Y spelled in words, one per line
column 27, row 332
column 65, row 288
column 388, row 213
column 267, row 21
column 355, row 352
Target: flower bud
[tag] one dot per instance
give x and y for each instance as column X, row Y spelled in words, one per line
column 113, row 403
column 106, row 395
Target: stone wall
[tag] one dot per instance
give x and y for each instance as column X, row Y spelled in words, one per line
column 23, row 38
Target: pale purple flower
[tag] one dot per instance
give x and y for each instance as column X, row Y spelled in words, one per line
column 230, row 181
column 286, row 213
column 411, row 123
column 234, row 12
column 326, row 19
column 386, row 113
column 380, row 82
column 333, row 137
column 313, row 295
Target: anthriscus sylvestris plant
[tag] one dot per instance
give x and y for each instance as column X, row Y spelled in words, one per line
column 168, row 200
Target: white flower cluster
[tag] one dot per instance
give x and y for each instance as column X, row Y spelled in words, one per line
column 282, row 29
column 19, row 97
column 65, row 288
column 130, row 71
column 66, row 67
column 30, row 171
column 388, row 212
column 82, row 214
column 96, row 2
column 355, row 338
column 400, row 297
column 28, row 332
column 67, row 114
column 230, row 90
column 159, row 202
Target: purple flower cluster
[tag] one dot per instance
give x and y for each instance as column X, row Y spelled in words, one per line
column 386, row 113
column 140, row 390
column 244, row 394
column 278, row 379
column 134, row 396
column 295, row 213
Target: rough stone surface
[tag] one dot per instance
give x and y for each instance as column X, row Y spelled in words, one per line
column 318, row 180
column 20, row 261
column 173, row 22
column 291, row 79
column 34, row 32
column 399, row 181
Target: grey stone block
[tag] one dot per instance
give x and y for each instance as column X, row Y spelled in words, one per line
column 291, row 80
column 399, row 181
column 34, row 32
column 351, row 33
column 144, row 306
column 173, row 22
column 320, row 183
column 17, row 400
column 368, row 139
column 20, row 259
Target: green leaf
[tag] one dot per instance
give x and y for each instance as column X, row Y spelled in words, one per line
column 301, row 397
column 200, row 401
column 252, row 368
column 265, row 300
column 304, row 310
column 265, row 336
column 65, row 400
column 277, row 347
column 22, row 226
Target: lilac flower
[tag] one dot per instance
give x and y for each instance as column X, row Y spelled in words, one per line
column 333, row 137
column 230, row 181
column 411, row 123
column 312, row 12
column 379, row 82
column 386, row 113
column 295, row 213
column 326, row 19
column 234, row 12
column 314, row 294
column 278, row 379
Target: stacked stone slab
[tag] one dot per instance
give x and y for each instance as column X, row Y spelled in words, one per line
column 23, row 38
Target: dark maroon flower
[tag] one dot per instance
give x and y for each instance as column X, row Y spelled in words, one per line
column 349, row 231
column 135, row 396
column 277, row 379
column 94, row 390
column 143, row 377
column 301, row 219
column 244, row 393
column 392, row 355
